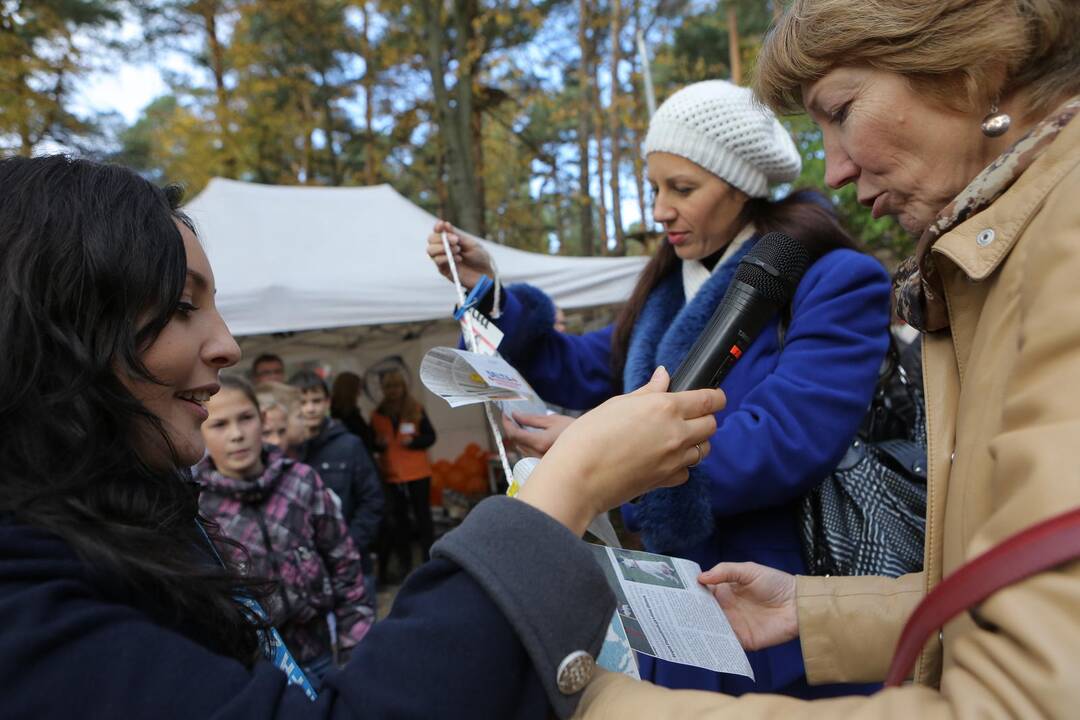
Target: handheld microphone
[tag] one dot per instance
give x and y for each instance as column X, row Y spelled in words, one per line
column 765, row 281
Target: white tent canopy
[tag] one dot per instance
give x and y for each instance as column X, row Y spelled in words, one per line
column 292, row 258
column 348, row 266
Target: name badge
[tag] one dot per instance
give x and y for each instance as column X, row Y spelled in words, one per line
column 486, row 336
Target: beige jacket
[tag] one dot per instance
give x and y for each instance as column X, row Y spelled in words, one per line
column 1003, row 410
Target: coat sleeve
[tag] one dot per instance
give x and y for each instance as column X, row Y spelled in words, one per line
column 353, row 610
column 367, row 489
column 573, row 371
column 426, row 437
column 838, row 614
column 480, row 631
column 791, row 429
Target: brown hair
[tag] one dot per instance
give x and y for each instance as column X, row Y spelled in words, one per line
column 343, row 395
column 962, row 53
column 234, row 382
column 805, row 215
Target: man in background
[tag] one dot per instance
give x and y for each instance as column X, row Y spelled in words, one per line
column 267, row 368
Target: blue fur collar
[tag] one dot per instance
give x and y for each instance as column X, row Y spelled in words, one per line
column 679, row 517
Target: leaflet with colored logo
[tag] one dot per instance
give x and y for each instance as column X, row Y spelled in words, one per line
column 462, row 378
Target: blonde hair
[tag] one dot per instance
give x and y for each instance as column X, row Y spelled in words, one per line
column 963, row 53
column 406, row 408
column 277, row 395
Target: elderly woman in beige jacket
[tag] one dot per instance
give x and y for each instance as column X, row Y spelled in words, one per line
column 956, row 117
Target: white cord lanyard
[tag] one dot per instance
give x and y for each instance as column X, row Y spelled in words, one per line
column 470, row 344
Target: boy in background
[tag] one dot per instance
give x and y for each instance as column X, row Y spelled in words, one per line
column 344, row 466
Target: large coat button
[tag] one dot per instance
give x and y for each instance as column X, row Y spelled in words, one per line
column 574, row 672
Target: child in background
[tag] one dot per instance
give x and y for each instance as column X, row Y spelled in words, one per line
column 291, row 525
column 283, row 426
column 343, row 463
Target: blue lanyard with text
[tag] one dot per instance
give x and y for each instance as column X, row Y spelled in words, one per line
column 274, row 648
column 277, row 653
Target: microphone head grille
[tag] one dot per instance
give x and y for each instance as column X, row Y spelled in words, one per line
column 774, row 266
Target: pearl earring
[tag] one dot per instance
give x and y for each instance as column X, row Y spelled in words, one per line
column 996, row 123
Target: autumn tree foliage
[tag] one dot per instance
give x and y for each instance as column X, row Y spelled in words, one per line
column 519, row 120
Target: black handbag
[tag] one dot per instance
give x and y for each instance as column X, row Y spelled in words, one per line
column 868, row 517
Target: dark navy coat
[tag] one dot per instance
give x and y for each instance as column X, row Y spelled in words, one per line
column 346, row 467
column 794, row 402
column 477, row 632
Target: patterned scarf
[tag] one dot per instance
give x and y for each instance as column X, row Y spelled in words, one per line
column 917, row 289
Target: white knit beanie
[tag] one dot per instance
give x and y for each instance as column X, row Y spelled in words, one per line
column 720, row 127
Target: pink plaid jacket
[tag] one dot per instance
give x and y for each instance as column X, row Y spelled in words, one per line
column 293, row 529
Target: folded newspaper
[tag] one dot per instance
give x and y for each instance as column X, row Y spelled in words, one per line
column 663, row 611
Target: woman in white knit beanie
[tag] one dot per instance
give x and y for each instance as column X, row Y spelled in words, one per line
column 796, row 397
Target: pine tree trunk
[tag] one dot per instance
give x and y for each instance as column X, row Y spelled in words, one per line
column 584, row 115
column 457, row 123
column 26, row 132
column 208, row 10
column 308, row 114
column 640, row 120
column 598, row 128
column 470, row 190
column 371, row 161
column 615, row 131
column 330, row 127
column 733, row 44
column 441, row 189
column 476, row 128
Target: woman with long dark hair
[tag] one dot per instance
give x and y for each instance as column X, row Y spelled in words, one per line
column 795, row 399
column 343, row 396
column 115, row 599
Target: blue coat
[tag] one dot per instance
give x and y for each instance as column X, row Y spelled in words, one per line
column 344, row 465
column 793, row 405
column 480, row 631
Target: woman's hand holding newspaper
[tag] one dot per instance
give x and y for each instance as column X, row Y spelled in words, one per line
column 759, row 602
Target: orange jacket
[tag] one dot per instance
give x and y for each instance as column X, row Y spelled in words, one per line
column 401, row 463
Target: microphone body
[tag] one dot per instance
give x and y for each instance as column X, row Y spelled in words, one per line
column 764, row 282
column 738, row 319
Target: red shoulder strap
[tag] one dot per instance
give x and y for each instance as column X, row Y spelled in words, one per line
column 1031, row 551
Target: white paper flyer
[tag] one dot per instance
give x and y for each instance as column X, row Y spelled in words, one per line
column 465, row 378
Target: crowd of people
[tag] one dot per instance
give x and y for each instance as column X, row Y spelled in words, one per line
column 178, row 542
column 379, row 472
